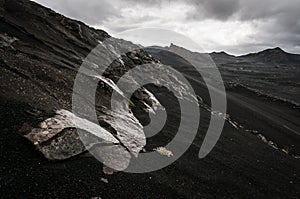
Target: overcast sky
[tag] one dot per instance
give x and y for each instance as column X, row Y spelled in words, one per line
column 234, row 26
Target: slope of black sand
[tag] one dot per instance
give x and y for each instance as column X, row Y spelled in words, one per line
column 240, row 166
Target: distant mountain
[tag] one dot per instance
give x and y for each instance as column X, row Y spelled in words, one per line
column 275, row 55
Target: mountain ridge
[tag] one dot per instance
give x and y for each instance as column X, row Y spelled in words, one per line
column 271, row 55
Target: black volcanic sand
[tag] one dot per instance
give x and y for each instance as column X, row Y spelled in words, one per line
column 278, row 121
column 240, row 166
column 38, row 72
column 274, row 118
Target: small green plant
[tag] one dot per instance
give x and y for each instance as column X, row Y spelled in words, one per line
column 131, row 103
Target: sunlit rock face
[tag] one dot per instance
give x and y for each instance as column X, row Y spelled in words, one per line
column 40, row 58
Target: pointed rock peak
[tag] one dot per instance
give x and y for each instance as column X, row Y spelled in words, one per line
column 172, row 45
column 175, row 48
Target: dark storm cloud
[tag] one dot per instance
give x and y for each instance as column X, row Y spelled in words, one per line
column 283, row 14
column 215, row 9
column 218, row 9
column 279, row 16
column 256, row 9
column 280, row 23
